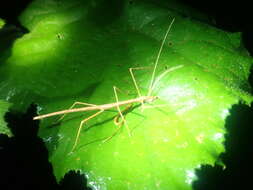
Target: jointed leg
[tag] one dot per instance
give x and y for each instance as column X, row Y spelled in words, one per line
column 81, row 125
column 116, row 119
column 133, row 78
column 134, row 81
column 120, row 113
column 72, row 106
column 119, row 124
column 114, row 133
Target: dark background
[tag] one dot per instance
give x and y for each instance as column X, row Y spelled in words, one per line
column 24, row 158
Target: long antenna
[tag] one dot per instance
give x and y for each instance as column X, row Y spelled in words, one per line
column 158, row 56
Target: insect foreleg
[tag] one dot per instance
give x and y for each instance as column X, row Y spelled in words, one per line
column 135, row 82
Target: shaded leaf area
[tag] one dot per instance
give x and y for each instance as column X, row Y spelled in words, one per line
column 238, row 145
column 8, row 34
column 4, row 106
column 210, row 48
column 10, row 11
column 12, row 29
column 24, row 158
column 77, row 51
column 237, row 158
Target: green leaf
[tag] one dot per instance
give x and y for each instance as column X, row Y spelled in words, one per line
column 77, row 51
column 4, row 106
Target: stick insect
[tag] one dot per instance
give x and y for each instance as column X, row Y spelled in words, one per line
column 117, row 104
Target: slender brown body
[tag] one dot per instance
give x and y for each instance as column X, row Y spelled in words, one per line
column 100, row 107
column 141, row 99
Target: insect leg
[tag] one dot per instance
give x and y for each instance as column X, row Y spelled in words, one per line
column 72, row 106
column 81, row 125
column 135, row 82
column 120, row 113
column 116, row 119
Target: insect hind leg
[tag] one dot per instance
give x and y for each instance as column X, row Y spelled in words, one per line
column 72, row 106
column 81, row 126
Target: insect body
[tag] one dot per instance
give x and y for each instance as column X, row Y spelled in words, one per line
column 143, row 99
column 117, row 104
